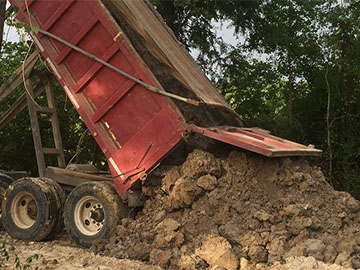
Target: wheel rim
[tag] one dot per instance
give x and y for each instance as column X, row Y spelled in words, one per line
column 89, row 215
column 24, row 210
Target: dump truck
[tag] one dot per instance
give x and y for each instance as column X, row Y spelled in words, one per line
column 140, row 94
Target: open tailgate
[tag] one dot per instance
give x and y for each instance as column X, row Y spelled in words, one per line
column 257, row 140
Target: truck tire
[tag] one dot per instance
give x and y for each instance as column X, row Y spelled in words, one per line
column 29, row 209
column 5, row 181
column 60, row 203
column 92, row 210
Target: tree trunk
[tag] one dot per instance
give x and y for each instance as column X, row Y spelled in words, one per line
column 290, row 69
column 2, row 21
column 328, row 124
column 290, row 91
column 169, row 14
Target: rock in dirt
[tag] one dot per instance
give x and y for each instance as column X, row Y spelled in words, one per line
column 207, row 182
column 353, row 205
column 168, row 225
column 217, row 252
column 184, row 193
column 160, row 257
column 343, row 259
column 200, row 163
column 314, row 248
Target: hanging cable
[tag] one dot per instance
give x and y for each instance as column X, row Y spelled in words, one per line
column 78, row 147
column 24, row 80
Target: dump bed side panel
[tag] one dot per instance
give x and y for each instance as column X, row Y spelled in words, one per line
column 162, row 43
column 133, row 126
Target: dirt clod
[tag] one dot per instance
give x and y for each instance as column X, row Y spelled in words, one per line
column 217, row 251
column 160, row 257
column 207, row 182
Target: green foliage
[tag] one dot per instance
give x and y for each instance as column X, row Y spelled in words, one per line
column 17, row 135
column 192, row 23
column 252, row 89
column 16, row 138
column 302, row 40
column 4, row 255
column 7, row 253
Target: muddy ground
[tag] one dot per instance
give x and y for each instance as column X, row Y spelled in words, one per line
column 62, row 253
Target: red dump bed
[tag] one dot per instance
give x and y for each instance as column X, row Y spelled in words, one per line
column 134, row 127
column 125, row 118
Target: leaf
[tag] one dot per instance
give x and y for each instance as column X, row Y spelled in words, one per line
column 16, row 10
column 35, row 29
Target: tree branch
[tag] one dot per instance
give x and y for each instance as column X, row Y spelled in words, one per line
column 328, row 124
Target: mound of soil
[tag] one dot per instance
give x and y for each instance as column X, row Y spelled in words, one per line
column 220, row 212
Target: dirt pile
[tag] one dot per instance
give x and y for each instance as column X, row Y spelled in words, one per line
column 218, row 213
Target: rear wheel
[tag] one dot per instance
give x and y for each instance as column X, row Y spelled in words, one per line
column 5, row 181
column 29, row 209
column 92, row 210
column 60, row 202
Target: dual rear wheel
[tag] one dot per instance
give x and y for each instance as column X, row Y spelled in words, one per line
column 35, row 209
column 5, row 181
column 30, row 209
column 92, row 210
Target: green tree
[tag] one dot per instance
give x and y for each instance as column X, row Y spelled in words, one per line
column 192, row 21
column 314, row 48
column 16, row 138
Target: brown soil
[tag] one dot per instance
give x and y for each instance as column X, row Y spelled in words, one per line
column 220, row 211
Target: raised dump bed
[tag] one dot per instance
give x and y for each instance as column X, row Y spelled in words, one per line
column 137, row 90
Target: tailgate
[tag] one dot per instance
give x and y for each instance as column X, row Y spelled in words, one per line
column 257, row 140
